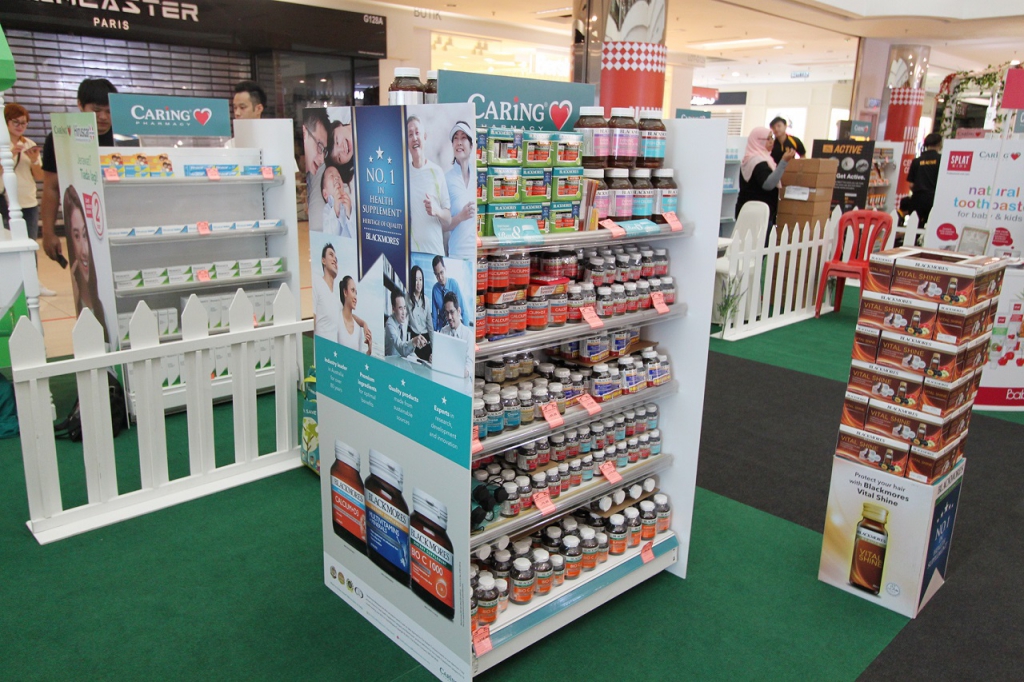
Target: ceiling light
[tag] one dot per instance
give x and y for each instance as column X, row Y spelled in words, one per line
column 739, row 44
column 1014, row 62
column 323, row 80
column 735, row 73
column 558, row 10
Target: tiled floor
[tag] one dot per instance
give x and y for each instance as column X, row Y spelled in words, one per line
column 58, row 312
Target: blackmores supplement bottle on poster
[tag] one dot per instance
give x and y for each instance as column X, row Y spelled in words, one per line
column 432, row 554
column 869, row 547
column 347, row 497
column 387, row 518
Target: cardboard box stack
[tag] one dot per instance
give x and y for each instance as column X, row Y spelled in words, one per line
column 818, row 176
column 922, row 339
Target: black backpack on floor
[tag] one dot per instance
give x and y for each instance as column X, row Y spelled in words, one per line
column 71, row 427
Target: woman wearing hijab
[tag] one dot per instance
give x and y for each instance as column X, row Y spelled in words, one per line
column 760, row 176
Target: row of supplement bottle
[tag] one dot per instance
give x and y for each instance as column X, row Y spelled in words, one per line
column 634, row 194
column 562, row 552
column 622, row 141
column 373, row 517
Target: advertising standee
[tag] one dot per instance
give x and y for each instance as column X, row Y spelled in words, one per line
column 854, row 174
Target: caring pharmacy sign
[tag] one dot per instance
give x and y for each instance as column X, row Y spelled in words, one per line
column 519, row 102
column 156, row 115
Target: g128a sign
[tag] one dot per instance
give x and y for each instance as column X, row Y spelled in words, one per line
column 158, row 115
column 520, row 102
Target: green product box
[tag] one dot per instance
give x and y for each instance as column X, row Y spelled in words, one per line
column 504, row 146
column 537, row 149
column 564, row 216
column 567, row 184
column 537, row 211
column 535, row 185
column 567, row 149
column 503, row 185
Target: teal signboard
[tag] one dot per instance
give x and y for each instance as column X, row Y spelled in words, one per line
column 692, row 113
column 158, row 115
column 520, row 102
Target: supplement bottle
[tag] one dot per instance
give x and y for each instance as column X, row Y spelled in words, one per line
column 495, row 414
column 540, row 483
column 510, row 507
column 573, row 557
column 432, row 554
column 502, row 564
column 554, row 483
column 617, row 534
column 602, row 547
column 620, row 206
column 643, row 193
column 666, row 194
column 502, row 585
column 348, row 501
column 511, row 408
column 869, row 547
column 558, row 564
column 486, row 596
column 472, row 610
column 406, row 88
column 625, row 138
column 602, row 198
column 552, row 540
column 387, row 518
column 523, row 581
column 480, row 418
column 664, row 511
column 596, row 137
column 430, row 88
column 648, row 521
column 588, row 544
column 563, row 476
column 526, row 407
column 652, row 139
column 575, row 472
column 633, row 526
column 543, row 570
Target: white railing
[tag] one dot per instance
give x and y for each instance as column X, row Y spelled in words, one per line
column 49, row 520
column 789, row 268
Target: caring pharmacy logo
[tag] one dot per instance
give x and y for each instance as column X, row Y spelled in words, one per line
column 167, row 116
column 960, row 162
column 517, row 111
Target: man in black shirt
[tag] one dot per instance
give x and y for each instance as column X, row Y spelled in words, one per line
column 93, row 96
column 784, row 140
column 923, row 176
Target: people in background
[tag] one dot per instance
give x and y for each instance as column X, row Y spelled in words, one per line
column 760, row 175
column 453, row 326
column 28, row 168
column 315, row 129
column 784, row 141
column 461, row 178
column 445, row 285
column 429, row 203
column 93, row 96
column 922, row 177
column 83, row 267
column 352, row 332
column 249, row 100
column 397, row 340
column 419, row 311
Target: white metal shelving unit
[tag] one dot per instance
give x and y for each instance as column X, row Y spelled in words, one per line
column 731, row 184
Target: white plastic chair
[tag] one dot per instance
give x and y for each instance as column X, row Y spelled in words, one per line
column 753, row 219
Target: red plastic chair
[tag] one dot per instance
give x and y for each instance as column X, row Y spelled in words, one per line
column 868, row 227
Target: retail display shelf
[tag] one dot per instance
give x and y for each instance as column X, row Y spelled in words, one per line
column 573, row 415
column 726, row 219
column 195, row 286
column 174, row 396
column 521, row 626
column 730, row 162
column 574, row 240
column 584, row 494
column 573, row 332
column 200, row 180
column 167, row 338
column 143, row 240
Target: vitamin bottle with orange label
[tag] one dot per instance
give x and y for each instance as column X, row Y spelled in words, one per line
column 573, row 557
column 664, row 512
column 432, row 554
column 523, row 581
column 588, row 543
column 617, row 534
column 869, row 547
column 486, row 601
column 543, row 570
column 347, row 497
column 648, row 521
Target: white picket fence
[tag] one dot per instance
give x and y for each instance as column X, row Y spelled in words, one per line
column 910, row 231
column 49, row 520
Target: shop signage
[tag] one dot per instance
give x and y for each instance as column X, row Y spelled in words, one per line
column 520, row 102
column 692, row 113
column 159, row 115
column 860, row 128
column 854, row 174
column 247, row 24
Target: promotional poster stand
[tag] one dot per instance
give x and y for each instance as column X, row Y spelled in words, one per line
column 401, row 430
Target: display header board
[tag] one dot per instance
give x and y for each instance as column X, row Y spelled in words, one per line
column 854, row 174
column 520, row 102
column 132, row 115
column 692, row 113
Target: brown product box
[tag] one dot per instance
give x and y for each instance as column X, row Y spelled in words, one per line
column 945, row 397
column 495, row 297
column 901, row 423
column 814, row 166
column 972, row 392
column 990, row 319
column 820, row 181
column 811, row 207
column 957, row 325
column 881, row 265
column 865, row 343
column 921, row 356
column 897, row 314
column 886, row 383
column 925, row 466
column 960, row 447
column 855, row 410
column 815, row 195
column 873, row 450
column 957, row 423
column 546, row 285
column 977, row 352
column 948, row 278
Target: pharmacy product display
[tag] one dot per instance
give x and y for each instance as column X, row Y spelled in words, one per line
column 469, row 399
column 921, row 343
column 172, row 221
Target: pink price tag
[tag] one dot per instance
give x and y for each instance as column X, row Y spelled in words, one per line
column 110, row 174
column 267, row 172
column 673, row 221
column 610, row 473
column 588, row 403
column 203, row 227
column 482, row 640
column 477, row 445
column 658, row 299
column 612, row 227
column 543, row 501
column 550, row 412
column 212, row 173
column 590, row 317
column 203, row 275
column 647, row 553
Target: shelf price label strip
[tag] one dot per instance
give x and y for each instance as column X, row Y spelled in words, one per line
column 586, row 589
column 517, row 231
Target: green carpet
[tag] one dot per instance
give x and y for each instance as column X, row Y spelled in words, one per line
column 821, row 347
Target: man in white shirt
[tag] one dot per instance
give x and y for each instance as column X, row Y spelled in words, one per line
column 455, row 328
column 396, row 332
column 326, row 303
column 429, row 204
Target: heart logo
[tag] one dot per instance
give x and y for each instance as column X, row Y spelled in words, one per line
column 560, row 112
column 202, row 115
column 1015, row 156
